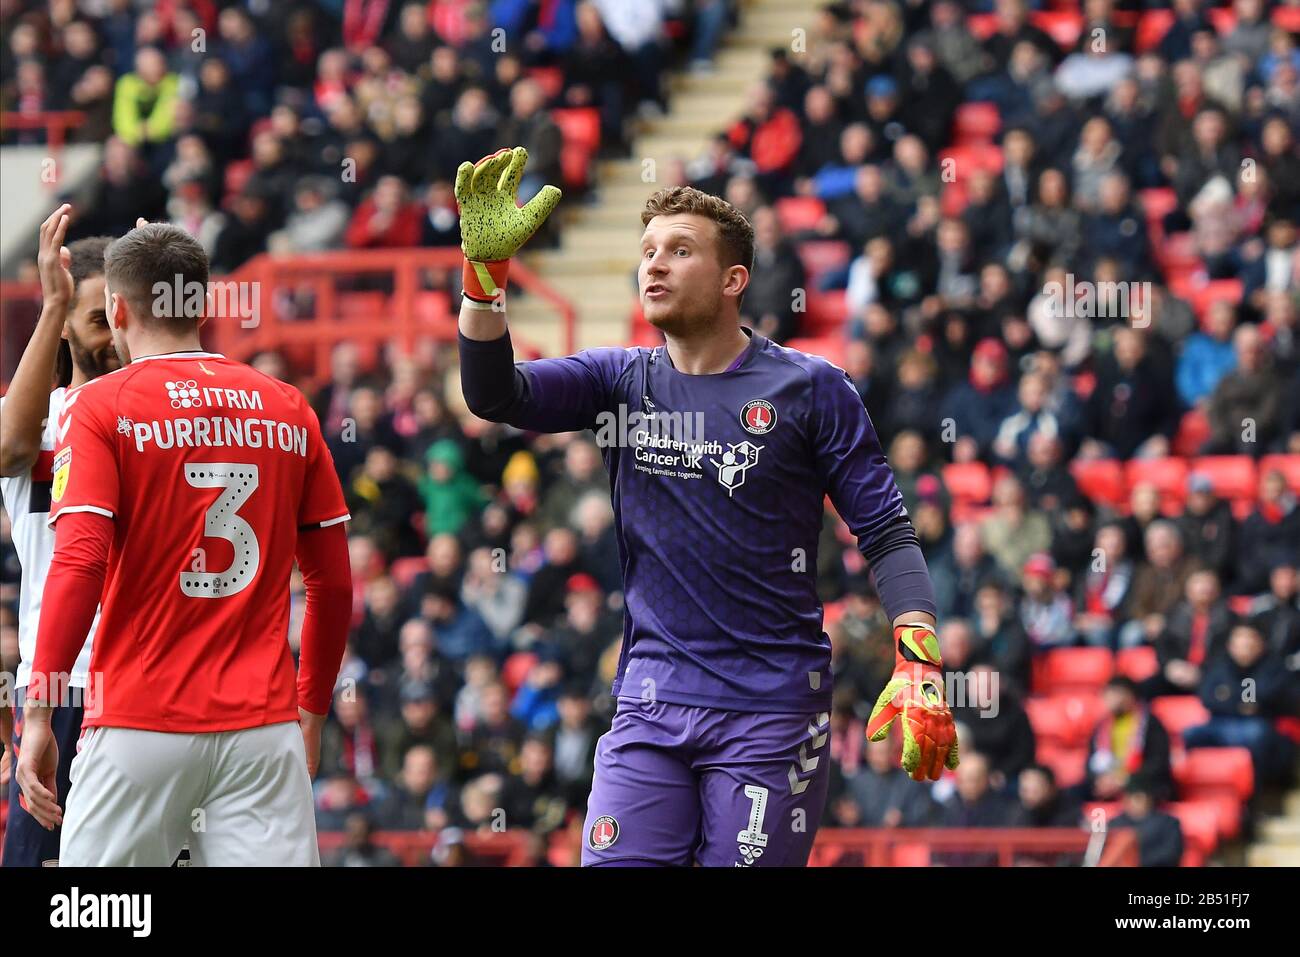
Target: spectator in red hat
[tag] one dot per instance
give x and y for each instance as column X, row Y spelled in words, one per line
column 978, row 406
column 578, row 639
column 1046, row 610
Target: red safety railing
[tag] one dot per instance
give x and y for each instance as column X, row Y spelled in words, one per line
column 1003, row 847
column 833, row 847
column 56, row 125
column 303, row 305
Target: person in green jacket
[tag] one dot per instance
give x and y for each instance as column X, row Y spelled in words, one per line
column 451, row 495
column 144, row 103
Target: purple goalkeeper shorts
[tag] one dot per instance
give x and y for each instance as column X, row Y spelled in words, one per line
column 681, row 785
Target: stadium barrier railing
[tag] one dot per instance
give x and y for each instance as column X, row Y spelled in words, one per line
column 832, row 847
column 56, row 124
column 304, row 305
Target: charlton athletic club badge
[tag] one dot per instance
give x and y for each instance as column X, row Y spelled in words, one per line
column 603, row 833
column 758, row 417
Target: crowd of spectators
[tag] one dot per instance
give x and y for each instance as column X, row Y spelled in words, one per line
column 335, row 124
column 487, row 613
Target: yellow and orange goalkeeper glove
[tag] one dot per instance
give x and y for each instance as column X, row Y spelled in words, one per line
column 492, row 227
column 915, row 692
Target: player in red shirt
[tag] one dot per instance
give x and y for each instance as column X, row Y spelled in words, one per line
column 184, row 489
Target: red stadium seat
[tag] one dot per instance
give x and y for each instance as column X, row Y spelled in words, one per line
column 826, row 315
column 1070, row 765
column 1050, row 721
column 579, row 126
column 1224, row 19
column 970, row 157
column 1158, row 202
column 821, row 256
column 1102, row 480
column 403, row 571
column 1152, row 28
column 1071, row 717
column 515, row 671
column 1179, row 712
column 1192, row 856
column 575, row 166
column 1288, row 465
column 798, row 213
column 982, row 25
column 1137, row 663
column 1063, row 26
column 1288, row 18
column 1233, row 476
column 1227, row 810
column 1068, row 670
column 830, row 348
column 968, row 481
column 549, row 78
column 1193, row 433
column 976, row 123
column 1200, row 823
column 1183, row 278
column 964, row 513
column 832, row 612
column 1216, row 769
column 1168, row 475
column 1178, row 249
column 1218, row 290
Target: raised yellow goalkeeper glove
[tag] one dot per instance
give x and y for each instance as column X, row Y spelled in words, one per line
column 492, row 227
column 915, row 693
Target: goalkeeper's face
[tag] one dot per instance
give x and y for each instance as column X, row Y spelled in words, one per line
column 684, row 286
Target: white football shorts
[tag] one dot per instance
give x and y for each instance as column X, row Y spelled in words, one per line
column 238, row 798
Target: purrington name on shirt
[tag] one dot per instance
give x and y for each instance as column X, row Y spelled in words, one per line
column 217, row 432
column 78, row 910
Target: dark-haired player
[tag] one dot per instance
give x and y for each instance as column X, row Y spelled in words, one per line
column 72, row 326
column 185, row 485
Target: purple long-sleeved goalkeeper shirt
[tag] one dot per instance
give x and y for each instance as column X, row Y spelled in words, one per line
column 718, row 486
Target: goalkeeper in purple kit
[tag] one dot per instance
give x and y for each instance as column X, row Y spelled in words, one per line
column 718, row 753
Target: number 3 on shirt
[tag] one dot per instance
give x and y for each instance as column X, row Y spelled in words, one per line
column 238, row 481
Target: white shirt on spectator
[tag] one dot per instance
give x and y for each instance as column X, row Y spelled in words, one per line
column 632, row 24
